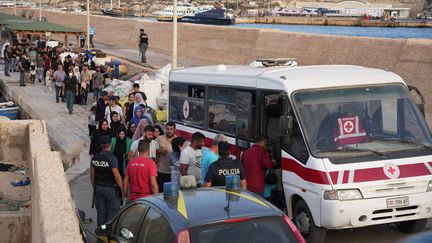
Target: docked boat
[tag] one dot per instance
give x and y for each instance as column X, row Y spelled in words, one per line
column 167, row 14
column 115, row 13
column 8, row 109
column 216, row 16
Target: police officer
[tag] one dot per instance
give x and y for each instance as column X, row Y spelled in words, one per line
column 223, row 167
column 107, row 182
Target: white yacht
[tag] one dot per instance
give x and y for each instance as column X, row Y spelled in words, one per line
column 183, row 9
column 166, row 14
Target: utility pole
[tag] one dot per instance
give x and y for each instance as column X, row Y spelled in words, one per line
column 174, row 50
column 40, row 10
column 88, row 25
column 14, row 7
column 111, row 4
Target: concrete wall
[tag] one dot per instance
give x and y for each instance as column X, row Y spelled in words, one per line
column 14, row 226
column 52, row 216
column 13, row 146
column 410, row 58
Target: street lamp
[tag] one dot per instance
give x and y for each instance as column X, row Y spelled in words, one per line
column 174, row 49
column 40, row 10
column 88, row 24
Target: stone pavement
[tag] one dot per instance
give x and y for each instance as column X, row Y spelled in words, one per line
column 68, row 133
column 154, row 59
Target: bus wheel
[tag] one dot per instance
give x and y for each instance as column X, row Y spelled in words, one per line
column 304, row 221
column 412, row 226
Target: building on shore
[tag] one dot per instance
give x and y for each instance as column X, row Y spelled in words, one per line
column 415, row 6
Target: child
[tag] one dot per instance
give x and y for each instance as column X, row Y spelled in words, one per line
column 91, row 120
column 48, row 79
column 32, row 72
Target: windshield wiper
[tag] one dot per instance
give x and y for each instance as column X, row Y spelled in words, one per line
column 351, row 149
column 402, row 141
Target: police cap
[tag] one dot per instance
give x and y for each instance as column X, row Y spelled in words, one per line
column 104, row 140
column 224, row 147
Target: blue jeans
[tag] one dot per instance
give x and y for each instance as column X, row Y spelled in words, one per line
column 143, row 49
column 6, row 71
column 12, row 65
column 107, row 203
column 70, row 97
column 96, row 93
column 21, row 80
column 58, row 93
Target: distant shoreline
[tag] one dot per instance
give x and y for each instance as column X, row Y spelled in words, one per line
column 334, row 21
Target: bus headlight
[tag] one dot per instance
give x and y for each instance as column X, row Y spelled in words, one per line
column 429, row 187
column 343, row 195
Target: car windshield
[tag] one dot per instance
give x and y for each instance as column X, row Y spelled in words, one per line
column 265, row 230
column 362, row 121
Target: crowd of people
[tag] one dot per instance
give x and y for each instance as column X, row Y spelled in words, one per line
column 72, row 77
column 133, row 158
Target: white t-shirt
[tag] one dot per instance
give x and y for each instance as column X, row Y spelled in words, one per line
column 153, row 147
column 192, row 157
column 117, row 109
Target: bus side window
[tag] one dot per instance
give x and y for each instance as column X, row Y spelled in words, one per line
column 222, row 109
column 187, row 104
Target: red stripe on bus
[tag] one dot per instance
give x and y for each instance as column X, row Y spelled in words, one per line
column 307, row 174
column 370, row 174
column 412, row 170
column 334, row 175
column 345, row 176
column 207, row 141
column 377, row 174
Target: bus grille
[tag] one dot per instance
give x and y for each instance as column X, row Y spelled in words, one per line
column 389, row 213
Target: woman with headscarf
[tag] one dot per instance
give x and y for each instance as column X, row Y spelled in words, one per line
column 131, row 129
column 138, row 115
column 115, row 124
column 120, row 146
column 139, row 132
column 103, row 130
column 138, row 102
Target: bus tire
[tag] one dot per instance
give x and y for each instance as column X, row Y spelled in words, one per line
column 412, row 226
column 305, row 223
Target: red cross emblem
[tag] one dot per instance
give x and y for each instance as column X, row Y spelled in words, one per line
column 391, row 171
column 186, row 109
column 348, row 126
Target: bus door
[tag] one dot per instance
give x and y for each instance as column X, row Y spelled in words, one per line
column 244, row 121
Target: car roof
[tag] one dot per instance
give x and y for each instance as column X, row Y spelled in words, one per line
column 207, row 205
column 285, row 78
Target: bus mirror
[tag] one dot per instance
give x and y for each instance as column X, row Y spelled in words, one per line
column 421, row 105
column 286, row 124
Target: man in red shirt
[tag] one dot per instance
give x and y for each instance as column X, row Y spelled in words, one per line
column 255, row 160
column 141, row 173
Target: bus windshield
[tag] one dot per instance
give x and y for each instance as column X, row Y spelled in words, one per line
column 362, row 121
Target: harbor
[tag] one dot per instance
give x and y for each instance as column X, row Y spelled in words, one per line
column 207, row 56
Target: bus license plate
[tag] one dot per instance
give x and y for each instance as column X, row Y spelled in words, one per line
column 397, row 202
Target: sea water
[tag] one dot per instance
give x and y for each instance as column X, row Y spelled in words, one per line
column 384, row 32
